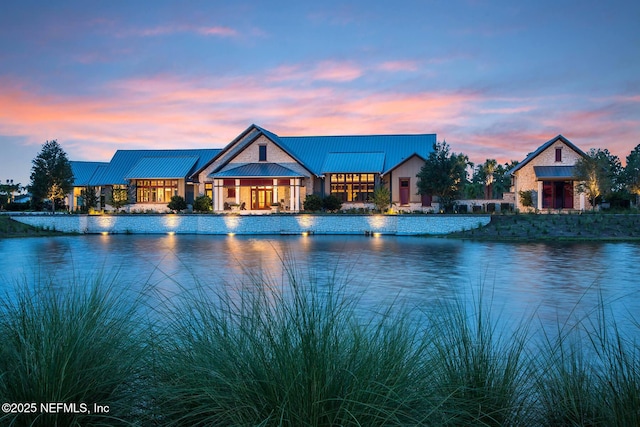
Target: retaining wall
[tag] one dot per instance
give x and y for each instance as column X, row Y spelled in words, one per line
column 257, row 224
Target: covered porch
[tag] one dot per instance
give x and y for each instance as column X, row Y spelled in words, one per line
column 257, row 188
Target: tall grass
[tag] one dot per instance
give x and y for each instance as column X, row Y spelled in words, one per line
column 71, row 343
column 298, row 358
column 298, row 352
column 590, row 375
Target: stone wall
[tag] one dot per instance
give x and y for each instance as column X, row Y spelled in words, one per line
column 257, row 224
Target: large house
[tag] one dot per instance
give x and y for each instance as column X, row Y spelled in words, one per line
column 260, row 169
column 548, row 173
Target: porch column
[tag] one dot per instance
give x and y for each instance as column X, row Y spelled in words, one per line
column 237, row 192
column 294, row 191
column 218, row 195
column 582, row 202
column 275, row 191
column 540, row 186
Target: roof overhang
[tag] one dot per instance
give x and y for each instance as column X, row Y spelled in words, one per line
column 554, row 172
column 257, row 170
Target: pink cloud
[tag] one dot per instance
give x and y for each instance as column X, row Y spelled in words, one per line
column 168, row 112
column 395, row 66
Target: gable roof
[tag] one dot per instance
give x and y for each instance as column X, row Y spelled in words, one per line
column 125, row 162
column 543, row 147
column 84, row 173
column 325, row 154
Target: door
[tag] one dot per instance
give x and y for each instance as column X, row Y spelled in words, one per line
column 261, row 198
column 404, row 191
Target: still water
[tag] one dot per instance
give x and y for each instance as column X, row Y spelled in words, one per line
column 553, row 282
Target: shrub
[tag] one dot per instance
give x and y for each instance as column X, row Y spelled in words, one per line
column 177, row 204
column 202, row 204
column 312, row 203
column 526, row 198
column 331, row 203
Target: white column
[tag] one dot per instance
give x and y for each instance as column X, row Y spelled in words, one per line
column 296, row 187
column 218, row 196
column 237, row 191
column 582, row 202
column 292, row 195
column 275, row 191
column 539, row 205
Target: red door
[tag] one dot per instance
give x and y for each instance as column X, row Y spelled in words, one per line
column 404, row 191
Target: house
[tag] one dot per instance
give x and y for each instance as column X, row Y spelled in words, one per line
column 259, row 169
column 149, row 177
column 549, row 173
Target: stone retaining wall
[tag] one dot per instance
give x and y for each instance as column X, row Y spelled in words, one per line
column 257, row 224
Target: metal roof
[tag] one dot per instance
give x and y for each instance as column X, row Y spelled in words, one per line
column 353, row 163
column 262, row 170
column 123, row 161
column 84, row 172
column 554, row 172
column 162, row 167
column 314, row 150
column 543, row 147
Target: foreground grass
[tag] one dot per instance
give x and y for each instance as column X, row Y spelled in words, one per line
column 301, row 355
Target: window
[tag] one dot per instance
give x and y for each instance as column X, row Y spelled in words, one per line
column 156, row 190
column 353, row 187
column 208, row 189
column 262, row 153
column 558, row 154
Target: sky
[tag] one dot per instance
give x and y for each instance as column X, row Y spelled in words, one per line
column 494, row 79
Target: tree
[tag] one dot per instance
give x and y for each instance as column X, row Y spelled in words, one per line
column 119, row 196
column 381, row 198
column 6, row 193
column 631, row 173
column 443, row 175
column 202, row 203
column 90, row 198
column 51, row 174
column 598, row 173
column 177, row 204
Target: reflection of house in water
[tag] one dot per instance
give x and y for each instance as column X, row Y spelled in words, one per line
column 549, row 173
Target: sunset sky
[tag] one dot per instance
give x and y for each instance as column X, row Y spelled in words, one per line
column 495, row 79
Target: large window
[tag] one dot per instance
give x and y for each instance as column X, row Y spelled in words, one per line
column 156, row 190
column 557, row 195
column 353, row 187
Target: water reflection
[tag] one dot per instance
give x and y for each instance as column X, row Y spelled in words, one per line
column 553, row 280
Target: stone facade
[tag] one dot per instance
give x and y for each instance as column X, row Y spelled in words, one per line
column 525, row 179
column 257, row 224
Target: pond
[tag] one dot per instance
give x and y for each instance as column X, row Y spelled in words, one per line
column 555, row 282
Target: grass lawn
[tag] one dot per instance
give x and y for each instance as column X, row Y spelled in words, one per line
column 11, row 228
column 585, row 226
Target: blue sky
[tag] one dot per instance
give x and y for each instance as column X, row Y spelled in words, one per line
column 495, row 79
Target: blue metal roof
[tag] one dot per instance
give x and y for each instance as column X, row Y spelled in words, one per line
column 84, row 172
column 543, row 147
column 313, row 150
column 554, row 172
column 123, row 161
column 353, row 163
column 261, row 170
column 162, row 167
